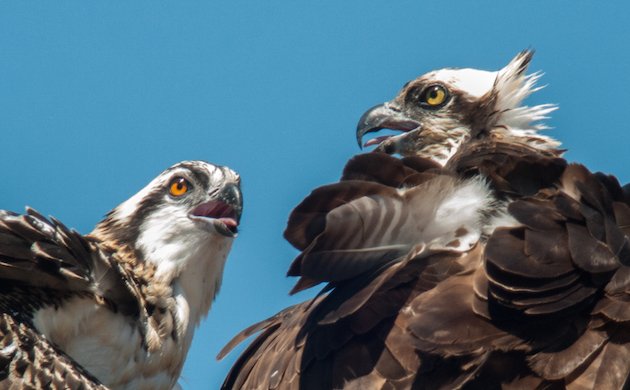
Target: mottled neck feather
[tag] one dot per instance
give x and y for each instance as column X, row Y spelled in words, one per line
column 443, row 145
column 168, row 309
column 106, row 234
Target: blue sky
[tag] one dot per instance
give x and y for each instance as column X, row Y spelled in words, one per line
column 97, row 98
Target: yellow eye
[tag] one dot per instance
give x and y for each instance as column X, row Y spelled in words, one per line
column 179, row 186
column 434, row 96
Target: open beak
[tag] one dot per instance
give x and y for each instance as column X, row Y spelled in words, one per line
column 223, row 211
column 383, row 116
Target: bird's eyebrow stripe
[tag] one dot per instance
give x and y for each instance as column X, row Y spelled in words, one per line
column 194, row 171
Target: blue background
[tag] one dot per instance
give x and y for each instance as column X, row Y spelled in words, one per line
column 97, row 98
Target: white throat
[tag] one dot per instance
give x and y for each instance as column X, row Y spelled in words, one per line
column 187, row 258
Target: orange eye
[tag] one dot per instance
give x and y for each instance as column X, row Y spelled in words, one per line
column 179, row 186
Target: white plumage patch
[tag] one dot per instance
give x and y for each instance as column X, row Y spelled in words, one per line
column 474, row 82
column 458, row 217
column 93, row 334
column 443, row 213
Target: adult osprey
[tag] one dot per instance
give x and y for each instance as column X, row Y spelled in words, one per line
column 119, row 306
column 481, row 259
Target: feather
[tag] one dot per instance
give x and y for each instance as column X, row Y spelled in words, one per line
column 479, row 259
column 69, row 301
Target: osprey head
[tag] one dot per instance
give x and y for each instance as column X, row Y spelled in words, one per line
column 441, row 110
column 188, row 214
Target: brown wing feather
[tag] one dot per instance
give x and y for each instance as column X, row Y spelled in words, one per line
column 514, row 169
column 43, row 263
column 543, row 304
column 29, row 361
column 571, row 232
column 39, row 253
column 355, row 226
column 389, row 171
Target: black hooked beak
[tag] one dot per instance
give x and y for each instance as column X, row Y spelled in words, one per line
column 383, row 116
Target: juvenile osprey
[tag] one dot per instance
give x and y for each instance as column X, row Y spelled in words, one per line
column 116, row 308
column 481, row 259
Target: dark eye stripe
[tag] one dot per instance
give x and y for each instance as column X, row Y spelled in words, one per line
column 197, row 175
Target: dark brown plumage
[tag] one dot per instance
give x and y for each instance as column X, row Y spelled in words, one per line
column 437, row 281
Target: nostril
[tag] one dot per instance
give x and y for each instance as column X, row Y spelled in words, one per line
column 393, row 107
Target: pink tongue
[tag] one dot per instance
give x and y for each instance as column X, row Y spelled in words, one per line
column 377, row 140
column 229, row 222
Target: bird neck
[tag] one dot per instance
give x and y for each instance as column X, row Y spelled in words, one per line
column 443, row 145
column 193, row 271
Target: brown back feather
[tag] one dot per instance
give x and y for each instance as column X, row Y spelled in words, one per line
column 539, row 305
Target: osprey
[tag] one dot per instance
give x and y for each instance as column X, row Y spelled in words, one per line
column 479, row 259
column 116, row 308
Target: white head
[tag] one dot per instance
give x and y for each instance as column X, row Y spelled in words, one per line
column 441, row 110
column 183, row 223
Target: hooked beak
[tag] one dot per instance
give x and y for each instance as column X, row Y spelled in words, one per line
column 223, row 211
column 383, row 116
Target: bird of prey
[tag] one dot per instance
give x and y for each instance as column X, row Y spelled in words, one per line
column 478, row 259
column 116, row 308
